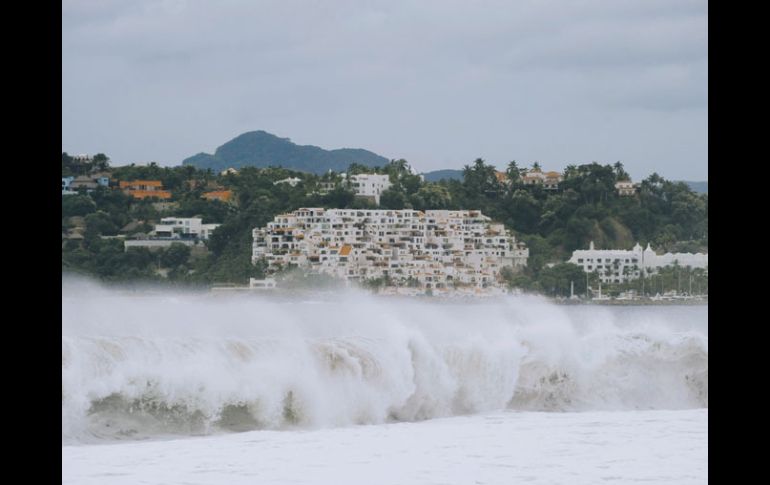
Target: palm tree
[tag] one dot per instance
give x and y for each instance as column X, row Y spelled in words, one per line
column 513, row 172
column 620, row 173
column 399, row 167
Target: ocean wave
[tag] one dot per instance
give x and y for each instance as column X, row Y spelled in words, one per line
column 136, row 367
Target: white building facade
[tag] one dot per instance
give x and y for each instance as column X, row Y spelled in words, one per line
column 625, row 188
column 431, row 249
column 549, row 180
column 184, row 228
column 619, row 265
column 370, row 185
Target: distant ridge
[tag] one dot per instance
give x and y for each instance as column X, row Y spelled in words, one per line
column 262, row 149
column 699, row 187
column 447, row 174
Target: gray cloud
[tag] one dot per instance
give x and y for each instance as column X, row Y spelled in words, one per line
column 437, row 82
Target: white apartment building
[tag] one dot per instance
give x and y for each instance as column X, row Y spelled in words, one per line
column 184, row 228
column 370, row 185
column 620, row 265
column 431, row 249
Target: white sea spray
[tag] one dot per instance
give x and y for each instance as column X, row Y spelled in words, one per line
column 146, row 364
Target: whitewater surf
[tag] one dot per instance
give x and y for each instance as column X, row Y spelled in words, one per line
column 174, row 364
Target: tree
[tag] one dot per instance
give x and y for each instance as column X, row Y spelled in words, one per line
column 339, row 198
column 570, row 171
column 66, row 165
column 480, row 178
column 523, row 211
column 176, row 255
column 100, row 162
column 398, row 168
column 432, row 196
column 393, row 198
column 513, row 172
column 557, row 279
column 362, row 203
column 77, row 205
column 357, row 168
column 540, row 252
column 99, row 223
column 620, row 173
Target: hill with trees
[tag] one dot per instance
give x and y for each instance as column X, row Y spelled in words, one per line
column 447, row 174
column 553, row 223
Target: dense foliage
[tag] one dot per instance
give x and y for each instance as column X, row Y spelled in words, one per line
column 586, row 207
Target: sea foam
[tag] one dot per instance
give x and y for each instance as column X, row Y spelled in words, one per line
column 137, row 365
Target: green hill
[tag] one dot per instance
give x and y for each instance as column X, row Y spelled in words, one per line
column 447, row 174
column 262, row 149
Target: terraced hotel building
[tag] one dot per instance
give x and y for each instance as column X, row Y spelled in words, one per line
column 427, row 249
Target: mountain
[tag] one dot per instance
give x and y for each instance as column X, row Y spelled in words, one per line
column 448, row 174
column 699, row 187
column 262, row 149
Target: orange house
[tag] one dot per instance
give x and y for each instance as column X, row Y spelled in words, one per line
column 223, row 195
column 142, row 189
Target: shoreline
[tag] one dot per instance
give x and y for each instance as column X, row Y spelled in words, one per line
column 459, row 297
column 634, row 302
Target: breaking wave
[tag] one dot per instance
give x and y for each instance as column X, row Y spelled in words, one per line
column 137, row 366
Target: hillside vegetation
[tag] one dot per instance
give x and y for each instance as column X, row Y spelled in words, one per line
column 586, row 207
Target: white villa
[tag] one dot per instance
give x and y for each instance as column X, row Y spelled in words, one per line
column 620, row 265
column 430, row 249
column 184, row 228
column 370, row 185
column 549, row 180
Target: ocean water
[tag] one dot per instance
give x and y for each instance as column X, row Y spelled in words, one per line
column 162, row 387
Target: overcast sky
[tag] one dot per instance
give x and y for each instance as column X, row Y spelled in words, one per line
column 438, row 82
